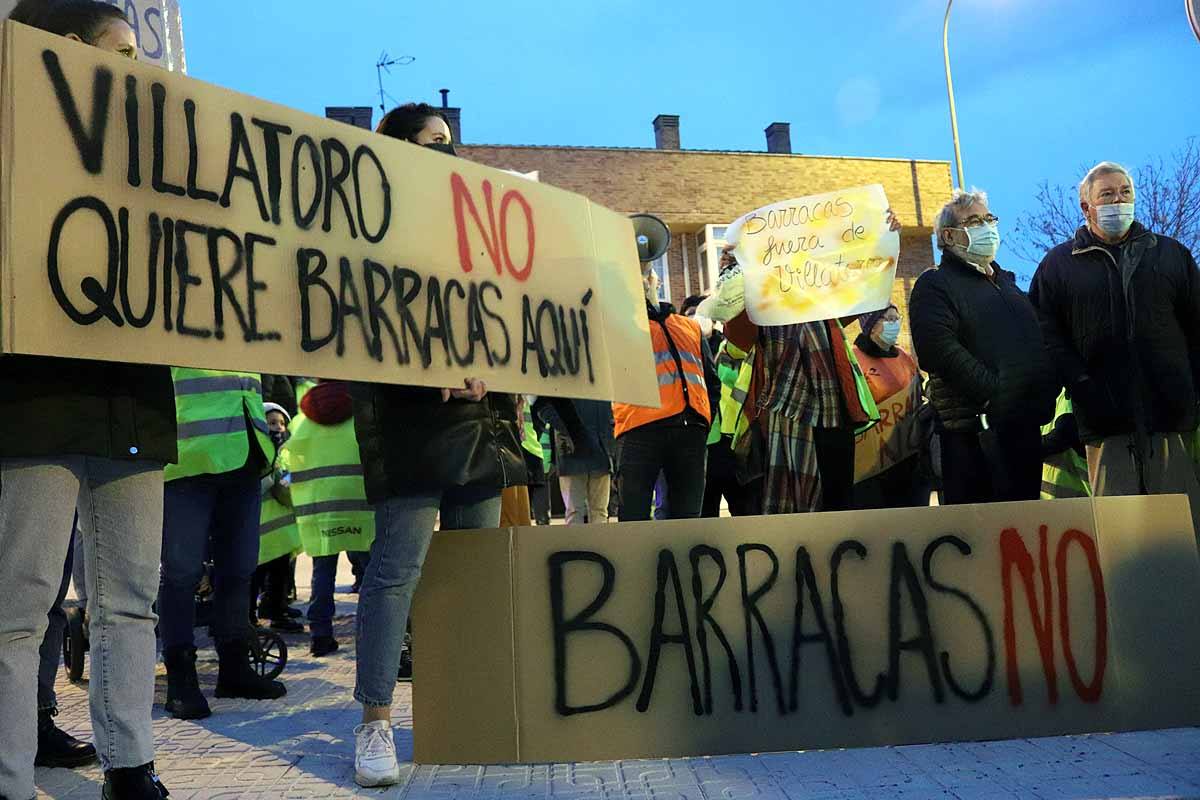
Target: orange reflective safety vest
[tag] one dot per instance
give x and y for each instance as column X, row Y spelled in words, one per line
column 679, row 362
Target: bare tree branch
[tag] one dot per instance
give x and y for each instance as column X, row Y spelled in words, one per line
column 1168, row 202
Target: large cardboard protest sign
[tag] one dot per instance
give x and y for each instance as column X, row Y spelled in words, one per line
column 820, row 257
column 150, row 217
column 809, row 631
column 897, row 436
column 157, row 24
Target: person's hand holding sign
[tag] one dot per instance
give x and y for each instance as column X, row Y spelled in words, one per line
column 475, row 390
column 892, row 221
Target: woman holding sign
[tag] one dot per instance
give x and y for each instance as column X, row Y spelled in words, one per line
column 95, row 436
column 425, row 453
column 887, row 458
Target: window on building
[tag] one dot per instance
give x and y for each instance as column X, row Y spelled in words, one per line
column 661, row 268
column 711, row 241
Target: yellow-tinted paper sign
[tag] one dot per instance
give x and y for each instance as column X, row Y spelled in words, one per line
column 149, row 217
column 819, row 257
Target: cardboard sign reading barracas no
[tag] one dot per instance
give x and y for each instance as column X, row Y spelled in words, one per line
column 866, row 628
column 149, row 217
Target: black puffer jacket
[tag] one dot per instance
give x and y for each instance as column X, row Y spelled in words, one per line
column 979, row 339
column 1129, row 320
column 61, row 407
column 409, row 440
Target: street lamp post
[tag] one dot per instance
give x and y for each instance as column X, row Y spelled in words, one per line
column 950, row 90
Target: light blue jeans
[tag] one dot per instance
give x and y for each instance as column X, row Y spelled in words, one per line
column 120, row 513
column 403, row 530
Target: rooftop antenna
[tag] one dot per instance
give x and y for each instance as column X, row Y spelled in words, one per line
column 383, row 65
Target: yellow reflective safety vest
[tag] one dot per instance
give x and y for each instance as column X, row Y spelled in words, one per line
column 328, row 494
column 735, row 368
column 1064, row 475
column 530, row 440
column 278, row 533
column 218, row 415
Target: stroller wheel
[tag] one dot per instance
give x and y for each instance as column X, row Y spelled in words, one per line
column 74, row 644
column 268, row 653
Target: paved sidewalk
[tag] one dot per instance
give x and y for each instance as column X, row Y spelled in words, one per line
column 302, row 747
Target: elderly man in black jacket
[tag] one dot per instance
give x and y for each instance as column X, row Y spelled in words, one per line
column 1120, row 310
column 991, row 379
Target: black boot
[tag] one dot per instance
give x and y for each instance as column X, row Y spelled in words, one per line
column 133, row 783
column 236, row 678
column 184, row 700
column 57, row 748
column 323, row 646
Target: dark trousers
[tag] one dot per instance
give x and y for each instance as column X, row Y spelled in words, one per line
column 835, row 461
column 223, row 509
column 539, row 503
column 903, row 485
column 997, row 465
column 721, row 481
column 50, row 653
column 679, row 453
column 269, row 586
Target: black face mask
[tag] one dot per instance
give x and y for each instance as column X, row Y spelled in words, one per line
column 279, row 438
column 442, row 147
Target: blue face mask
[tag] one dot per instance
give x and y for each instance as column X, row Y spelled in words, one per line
column 982, row 243
column 890, row 333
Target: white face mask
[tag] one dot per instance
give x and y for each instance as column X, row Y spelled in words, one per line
column 650, row 285
column 1115, row 219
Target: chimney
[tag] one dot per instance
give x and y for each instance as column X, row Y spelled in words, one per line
column 779, row 137
column 453, row 116
column 666, row 131
column 358, row 116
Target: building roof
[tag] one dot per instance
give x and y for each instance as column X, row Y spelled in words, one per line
column 686, row 151
column 692, row 188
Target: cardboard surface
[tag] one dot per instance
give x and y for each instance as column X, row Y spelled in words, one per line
column 158, row 219
column 946, row 624
column 894, row 438
column 820, row 257
column 157, row 24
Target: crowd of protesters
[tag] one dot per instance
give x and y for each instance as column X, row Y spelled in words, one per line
column 150, row 486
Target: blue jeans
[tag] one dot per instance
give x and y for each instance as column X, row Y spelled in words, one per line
column 50, row 653
column 225, row 507
column 120, row 512
column 403, row 530
column 324, row 578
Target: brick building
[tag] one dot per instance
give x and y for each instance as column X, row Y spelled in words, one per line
column 699, row 192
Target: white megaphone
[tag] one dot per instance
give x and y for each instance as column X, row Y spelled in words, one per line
column 652, row 236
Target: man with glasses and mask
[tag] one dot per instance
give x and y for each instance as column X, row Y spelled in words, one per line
column 1120, row 310
column 991, row 379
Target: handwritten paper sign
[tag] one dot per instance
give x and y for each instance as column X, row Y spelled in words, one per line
column 149, row 217
column 819, row 257
column 157, row 24
column 704, row 637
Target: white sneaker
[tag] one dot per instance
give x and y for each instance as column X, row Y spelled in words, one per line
column 375, row 755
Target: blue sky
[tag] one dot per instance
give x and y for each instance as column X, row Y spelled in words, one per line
column 1043, row 86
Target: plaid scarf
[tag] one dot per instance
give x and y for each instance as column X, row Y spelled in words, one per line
column 802, row 391
column 801, row 375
